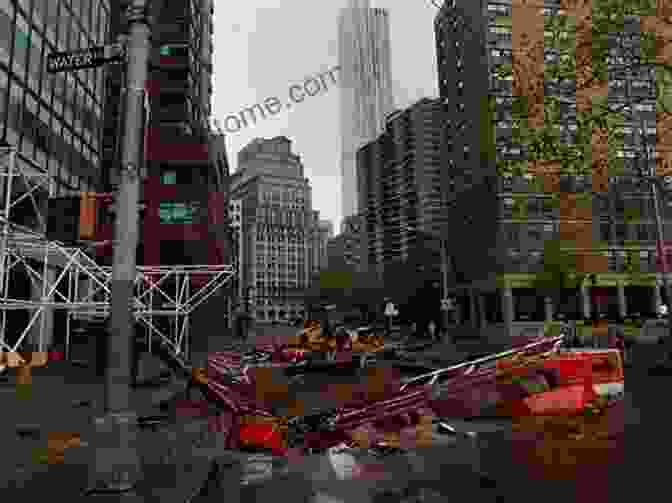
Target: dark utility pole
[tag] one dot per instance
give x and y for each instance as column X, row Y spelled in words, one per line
column 117, row 467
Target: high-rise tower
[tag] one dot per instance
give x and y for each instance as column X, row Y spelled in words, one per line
column 366, row 87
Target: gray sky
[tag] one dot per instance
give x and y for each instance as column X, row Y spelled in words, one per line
column 262, row 47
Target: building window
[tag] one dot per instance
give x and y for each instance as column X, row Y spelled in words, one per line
column 177, row 213
column 621, row 232
column 534, row 232
column 642, row 232
column 169, row 178
column 605, row 232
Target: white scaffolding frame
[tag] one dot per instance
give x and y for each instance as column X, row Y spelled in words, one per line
column 182, row 287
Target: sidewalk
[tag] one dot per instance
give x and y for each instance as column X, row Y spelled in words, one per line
column 55, row 413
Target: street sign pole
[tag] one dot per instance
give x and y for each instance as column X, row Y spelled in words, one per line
column 117, row 468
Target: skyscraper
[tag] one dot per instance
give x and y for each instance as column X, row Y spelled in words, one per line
column 366, row 87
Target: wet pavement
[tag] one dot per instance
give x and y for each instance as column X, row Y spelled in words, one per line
column 177, row 457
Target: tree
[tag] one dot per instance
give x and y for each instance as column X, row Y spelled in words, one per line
column 581, row 38
column 578, row 45
column 347, row 288
column 559, row 272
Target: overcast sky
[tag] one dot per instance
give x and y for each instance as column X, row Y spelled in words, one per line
column 264, row 46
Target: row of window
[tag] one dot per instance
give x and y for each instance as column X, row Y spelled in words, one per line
column 535, row 206
column 279, row 315
column 287, row 195
column 274, row 285
column 263, row 239
column 608, row 232
column 297, row 277
column 30, row 39
column 68, row 100
column 504, row 9
column 89, row 17
column 291, row 268
column 289, row 257
column 53, row 147
column 290, row 249
column 617, row 261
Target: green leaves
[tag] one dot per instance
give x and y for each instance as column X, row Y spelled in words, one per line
column 575, row 150
column 560, row 35
column 559, row 269
column 664, row 88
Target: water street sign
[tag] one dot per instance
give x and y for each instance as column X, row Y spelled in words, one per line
column 85, row 58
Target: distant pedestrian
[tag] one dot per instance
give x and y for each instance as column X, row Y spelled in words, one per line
column 415, row 333
column 431, row 328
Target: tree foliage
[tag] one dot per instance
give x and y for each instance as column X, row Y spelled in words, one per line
column 345, row 287
column 579, row 44
column 560, row 270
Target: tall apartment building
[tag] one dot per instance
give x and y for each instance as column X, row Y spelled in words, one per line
column 236, row 224
column 325, row 231
column 399, row 184
column 345, row 250
column 186, row 171
column 366, row 87
column 514, row 216
column 278, row 225
column 53, row 121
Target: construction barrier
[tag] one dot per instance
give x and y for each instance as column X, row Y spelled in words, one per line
column 566, row 400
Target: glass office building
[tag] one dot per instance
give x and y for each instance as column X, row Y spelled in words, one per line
column 54, row 121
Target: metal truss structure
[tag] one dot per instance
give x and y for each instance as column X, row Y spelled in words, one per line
column 68, row 278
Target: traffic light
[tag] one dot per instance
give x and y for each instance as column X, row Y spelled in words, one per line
column 88, row 210
column 74, row 218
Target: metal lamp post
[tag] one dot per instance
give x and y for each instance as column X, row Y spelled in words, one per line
column 445, row 301
column 116, row 467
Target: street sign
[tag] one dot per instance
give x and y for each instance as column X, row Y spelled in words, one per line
column 391, row 310
column 85, row 58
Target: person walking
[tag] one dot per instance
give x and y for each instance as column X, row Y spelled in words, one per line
column 431, row 328
column 415, row 333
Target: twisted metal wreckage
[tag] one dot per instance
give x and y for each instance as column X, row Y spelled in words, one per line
column 538, row 377
column 244, row 416
column 179, row 289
